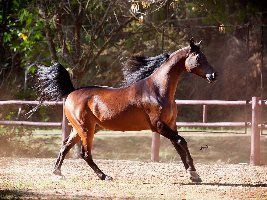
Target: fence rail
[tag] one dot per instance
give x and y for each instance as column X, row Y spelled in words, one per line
column 29, row 123
column 256, row 105
column 210, row 102
column 22, row 102
column 212, row 124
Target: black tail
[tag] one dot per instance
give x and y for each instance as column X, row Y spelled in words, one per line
column 53, row 82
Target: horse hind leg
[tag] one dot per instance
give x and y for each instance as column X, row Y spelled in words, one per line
column 87, row 136
column 72, row 139
column 87, row 156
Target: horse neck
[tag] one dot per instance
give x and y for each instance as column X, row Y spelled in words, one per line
column 167, row 75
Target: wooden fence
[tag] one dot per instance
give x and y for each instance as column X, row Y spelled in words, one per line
column 256, row 105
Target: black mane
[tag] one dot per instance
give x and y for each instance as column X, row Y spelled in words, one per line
column 139, row 67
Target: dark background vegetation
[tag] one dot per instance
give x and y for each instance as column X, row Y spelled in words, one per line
column 91, row 38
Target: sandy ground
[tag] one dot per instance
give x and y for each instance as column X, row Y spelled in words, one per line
column 22, row 178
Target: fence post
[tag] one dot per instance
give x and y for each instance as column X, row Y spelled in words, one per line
column 155, row 145
column 64, row 126
column 204, row 114
column 255, row 132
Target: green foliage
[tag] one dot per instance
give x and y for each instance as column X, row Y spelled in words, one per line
column 24, row 33
column 21, row 45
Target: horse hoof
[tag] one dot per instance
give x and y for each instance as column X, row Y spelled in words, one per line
column 196, row 180
column 194, row 177
column 57, row 172
column 106, row 178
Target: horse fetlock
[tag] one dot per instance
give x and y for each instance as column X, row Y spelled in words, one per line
column 189, row 161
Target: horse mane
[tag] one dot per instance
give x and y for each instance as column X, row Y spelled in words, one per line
column 138, row 67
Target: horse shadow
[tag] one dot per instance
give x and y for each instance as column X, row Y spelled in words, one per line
column 25, row 194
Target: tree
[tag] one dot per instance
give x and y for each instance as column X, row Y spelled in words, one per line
column 19, row 40
column 86, row 36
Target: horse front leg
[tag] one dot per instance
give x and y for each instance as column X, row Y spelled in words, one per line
column 181, row 152
column 181, row 147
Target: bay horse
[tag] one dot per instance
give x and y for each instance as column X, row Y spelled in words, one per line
column 146, row 101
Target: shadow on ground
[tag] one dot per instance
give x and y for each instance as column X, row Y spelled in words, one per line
column 24, row 194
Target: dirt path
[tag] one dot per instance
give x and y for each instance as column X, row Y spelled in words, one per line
column 32, row 178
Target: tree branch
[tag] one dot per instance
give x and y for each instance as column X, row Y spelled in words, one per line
column 113, row 33
column 60, row 33
column 48, row 34
column 77, row 31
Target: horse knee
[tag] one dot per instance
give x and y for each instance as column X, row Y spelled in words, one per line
column 167, row 132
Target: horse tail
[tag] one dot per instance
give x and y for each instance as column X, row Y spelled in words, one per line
column 53, row 82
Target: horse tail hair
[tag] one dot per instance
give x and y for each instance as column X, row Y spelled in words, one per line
column 53, row 83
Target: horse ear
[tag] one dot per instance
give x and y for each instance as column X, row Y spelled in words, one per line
column 199, row 43
column 192, row 42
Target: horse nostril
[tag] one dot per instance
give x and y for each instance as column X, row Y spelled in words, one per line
column 209, row 76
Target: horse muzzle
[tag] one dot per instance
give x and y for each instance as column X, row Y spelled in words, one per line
column 211, row 77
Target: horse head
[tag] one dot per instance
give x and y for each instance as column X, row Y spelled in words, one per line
column 197, row 63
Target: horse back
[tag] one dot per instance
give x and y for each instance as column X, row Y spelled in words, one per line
column 110, row 108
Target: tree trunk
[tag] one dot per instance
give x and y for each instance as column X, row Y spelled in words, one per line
column 50, row 42
column 5, row 9
column 48, row 34
column 77, row 37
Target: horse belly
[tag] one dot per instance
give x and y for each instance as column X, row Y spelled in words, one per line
column 129, row 120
